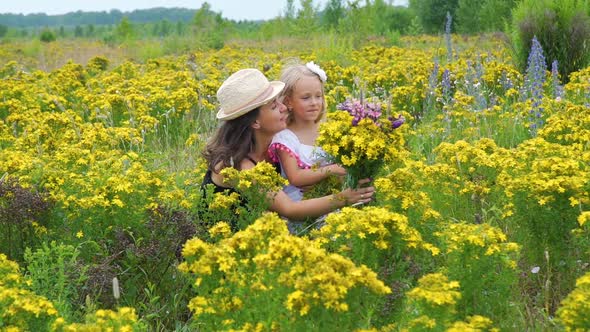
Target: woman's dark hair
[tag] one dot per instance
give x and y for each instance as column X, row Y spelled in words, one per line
column 231, row 142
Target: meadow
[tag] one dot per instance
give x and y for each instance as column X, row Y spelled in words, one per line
column 481, row 221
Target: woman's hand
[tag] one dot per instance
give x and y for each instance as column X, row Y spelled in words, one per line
column 358, row 195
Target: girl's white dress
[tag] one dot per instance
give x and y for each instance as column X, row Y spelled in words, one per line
column 307, row 156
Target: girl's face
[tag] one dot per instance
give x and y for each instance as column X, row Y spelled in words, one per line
column 272, row 117
column 307, row 99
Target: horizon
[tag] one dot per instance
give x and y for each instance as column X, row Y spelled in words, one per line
column 229, row 9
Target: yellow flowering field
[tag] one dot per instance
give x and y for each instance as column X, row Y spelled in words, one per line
column 479, row 224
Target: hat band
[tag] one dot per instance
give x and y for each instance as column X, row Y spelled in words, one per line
column 258, row 99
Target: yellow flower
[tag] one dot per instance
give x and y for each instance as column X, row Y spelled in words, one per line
column 267, row 258
column 262, row 178
column 574, row 312
column 436, row 289
column 221, row 229
column 223, row 201
column 473, row 324
column 583, row 218
column 375, row 224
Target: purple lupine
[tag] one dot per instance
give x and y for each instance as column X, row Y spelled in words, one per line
column 447, row 97
column 505, row 81
column 473, row 85
column 448, row 38
column 557, row 87
column 372, row 111
column 587, row 93
column 533, row 84
column 432, row 83
column 446, row 87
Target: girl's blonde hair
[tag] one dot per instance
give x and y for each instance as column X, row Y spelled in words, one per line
column 290, row 75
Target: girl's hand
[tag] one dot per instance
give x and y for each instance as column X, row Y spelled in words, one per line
column 335, row 169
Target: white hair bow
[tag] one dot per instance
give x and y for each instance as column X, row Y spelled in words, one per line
column 317, row 70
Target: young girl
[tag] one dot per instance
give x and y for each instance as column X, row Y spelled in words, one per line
column 252, row 114
column 302, row 163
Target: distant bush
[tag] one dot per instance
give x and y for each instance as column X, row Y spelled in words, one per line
column 97, row 64
column 47, row 36
column 562, row 27
column 485, row 16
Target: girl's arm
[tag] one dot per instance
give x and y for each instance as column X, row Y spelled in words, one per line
column 316, row 207
column 304, row 177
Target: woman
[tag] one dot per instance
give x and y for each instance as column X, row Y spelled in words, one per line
column 252, row 115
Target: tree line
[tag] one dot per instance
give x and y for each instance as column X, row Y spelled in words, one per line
column 565, row 23
column 372, row 17
column 81, row 18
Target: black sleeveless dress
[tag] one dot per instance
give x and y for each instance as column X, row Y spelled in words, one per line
column 208, row 181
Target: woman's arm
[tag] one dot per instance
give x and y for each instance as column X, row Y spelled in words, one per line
column 304, row 177
column 315, row 207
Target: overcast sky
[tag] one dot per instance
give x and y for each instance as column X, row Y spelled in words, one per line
column 231, row 9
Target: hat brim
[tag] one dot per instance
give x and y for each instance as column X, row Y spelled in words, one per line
column 225, row 114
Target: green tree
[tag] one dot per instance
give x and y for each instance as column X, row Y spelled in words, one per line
column 307, row 20
column 432, row 13
column 468, row 17
column 290, row 10
column 180, row 28
column 78, row 31
column 3, row 30
column 400, row 19
column 333, row 13
column 415, row 27
column 204, row 17
column 124, row 29
column 90, row 30
column 496, row 14
column 352, row 22
column 375, row 15
column 483, row 16
column 209, row 27
column 165, row 28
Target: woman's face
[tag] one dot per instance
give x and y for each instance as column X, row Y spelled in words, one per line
column 272, row 117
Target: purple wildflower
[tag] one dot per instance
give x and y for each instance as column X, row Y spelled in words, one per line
column 557, row 87
column 505, row 81
column 534, row 79
column 447, row 97
column 429, row 101
column 448, row 37
column 446, row 87
column 360, row 111
column 473, row 84
column 397, row 122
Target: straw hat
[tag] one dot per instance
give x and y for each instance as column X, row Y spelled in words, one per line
column 244, row 91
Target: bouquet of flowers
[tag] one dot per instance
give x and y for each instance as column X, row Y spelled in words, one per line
column 360, row 138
